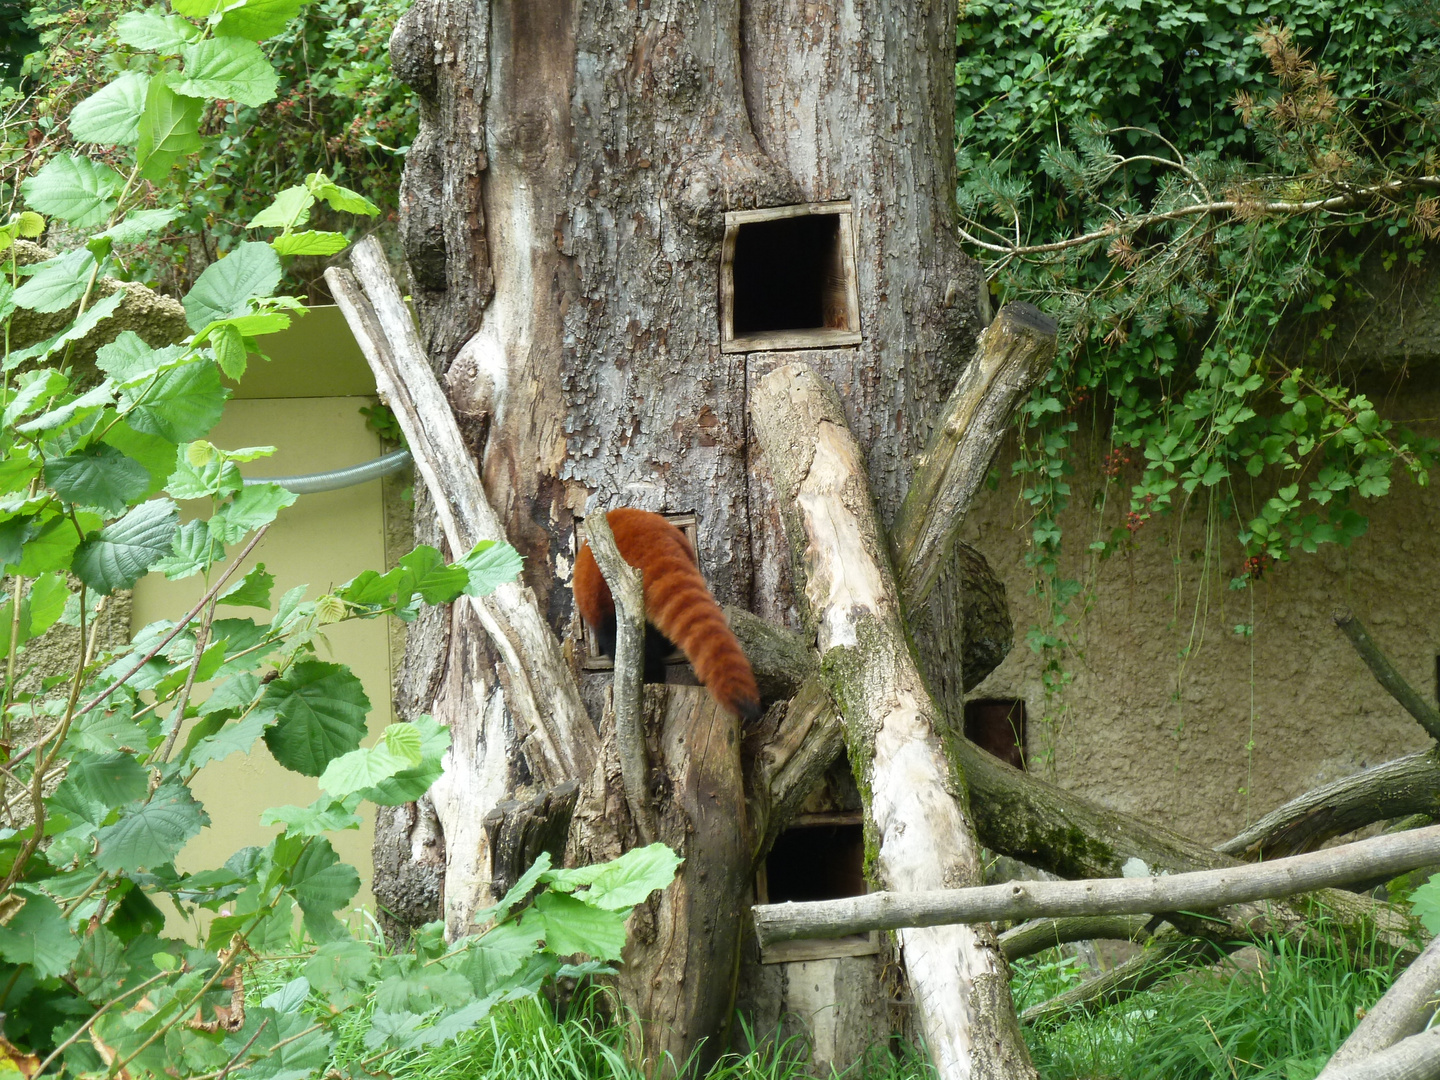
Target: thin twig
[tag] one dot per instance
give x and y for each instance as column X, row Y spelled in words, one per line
column 40, row 1069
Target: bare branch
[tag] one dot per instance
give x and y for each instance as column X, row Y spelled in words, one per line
column 627, row 592
column 1415, row 1058
column 1035, row 936
column 1377, row 857
column 1402, row 1012
column 1386, row 675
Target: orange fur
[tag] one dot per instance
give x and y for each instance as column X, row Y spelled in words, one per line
column 676, row 602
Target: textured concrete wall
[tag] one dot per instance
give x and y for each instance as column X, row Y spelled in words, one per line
column 1151, row 731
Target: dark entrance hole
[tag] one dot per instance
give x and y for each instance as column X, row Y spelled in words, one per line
column 789, row 274
column 997, row 726
column 816, row 862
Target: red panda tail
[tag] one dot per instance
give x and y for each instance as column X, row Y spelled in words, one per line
column 681, row 607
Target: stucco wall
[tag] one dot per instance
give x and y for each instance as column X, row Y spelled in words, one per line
column 1151, row 731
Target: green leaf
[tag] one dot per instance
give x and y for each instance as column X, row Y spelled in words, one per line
column 49, row 594
column 217, row 477
column 497, row 954
column 310, row 243
column 100, row 966
column 360, row 769
column 256, row 505
column 258, row 19
column 621, row 883
column 227, row 286
column 190, row 552
column 181, row 405
column 230, row 351
column 253, row 590
column 236, row 738
column 36, row 390
column 518, row 891
column 149, row 835
column 321, row 816
column 423, row 989
column 571, row 926
column 114, row 779
column 288, row 209
column 111, row 115
column 39, row 936
column 128, row 357
column 169, row 129
column 56, row 283
column 74, row 189
column 141, row 224
column 116, row 556
column 432, row 740
column 320, row 881
column 340, row 198
column 54, row 545
column 1425, row 901
column 228, row 68
column 340, row 973
column 80, row 329
column 233, row 694
column 29, row 224
column 100, row 476
column 153, row 32
column 71, row 412
column 319, row 711
column 490, row 564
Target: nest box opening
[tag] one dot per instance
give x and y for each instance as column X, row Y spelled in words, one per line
column 591, row 658
column 819, row 857
column 997, row 726
column 787, row 278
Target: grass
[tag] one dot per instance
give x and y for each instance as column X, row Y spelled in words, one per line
column 1280, row 1021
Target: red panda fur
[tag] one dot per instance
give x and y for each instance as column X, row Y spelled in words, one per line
column 676, row 602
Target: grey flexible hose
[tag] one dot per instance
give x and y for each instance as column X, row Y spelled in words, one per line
column 349, row 476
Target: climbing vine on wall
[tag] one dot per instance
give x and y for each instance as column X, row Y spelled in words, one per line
column 1191, row 187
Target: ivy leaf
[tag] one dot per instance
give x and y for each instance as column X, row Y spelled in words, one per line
column 116, row 556
column 310, row 243
column 181, row 405
column 230, row 69
column 319, row 711
column 111, row 115
column 39, row 936
column 152, row 32
column 227, row 286
column 258, row 19
column 288, row 209
column 151, row 834
column 99, row 476
column 169, row 129
column 74, row 189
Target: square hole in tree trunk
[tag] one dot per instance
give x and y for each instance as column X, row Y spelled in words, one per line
column 787, row 278
column 997, row 726
column 819, row 857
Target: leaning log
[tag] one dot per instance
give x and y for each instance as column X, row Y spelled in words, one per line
column 1404, row 1011
column 916, row 819
column 1380, row 856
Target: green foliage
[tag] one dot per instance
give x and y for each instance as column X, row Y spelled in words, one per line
column 99, row 759
column 1425, row 901
column 314, row 99
column 1280, row 1021
column 1155, row 176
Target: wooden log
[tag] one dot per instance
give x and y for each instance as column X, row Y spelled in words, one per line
column 629, row 597
column 521, row 829
column 682, row 946
column 1381, row 856
column 1010, row 356
column 1407, row 785
column 1404, row 1011
column 1425, row 714
column 1415, row 1058
column 1035, row 936
column 916, row 823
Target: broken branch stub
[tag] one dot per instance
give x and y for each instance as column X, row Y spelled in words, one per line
column 914, row 800
column 1381, row 856
column 1010, row 356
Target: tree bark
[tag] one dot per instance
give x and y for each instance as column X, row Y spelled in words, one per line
column 916, row 821
column 1404, row 1011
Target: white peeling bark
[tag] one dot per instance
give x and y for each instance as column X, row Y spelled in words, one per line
column 915, row 814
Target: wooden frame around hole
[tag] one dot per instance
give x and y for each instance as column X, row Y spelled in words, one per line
column 788, row 952
column 812, row 338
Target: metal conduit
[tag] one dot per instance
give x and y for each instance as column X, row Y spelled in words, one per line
column 335, row 479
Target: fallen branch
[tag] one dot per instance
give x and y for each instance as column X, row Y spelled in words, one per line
column 1386, row 675
column 1010, row 356
column 1415, row 1058
column 1407, row 785
column 1404, row 1011
column 1381, row 856
column 628, row 684
column 1035, row 936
